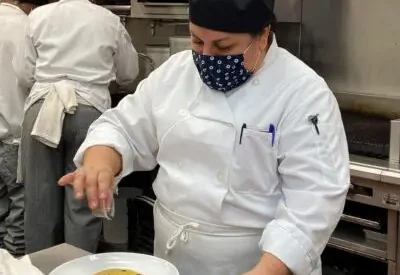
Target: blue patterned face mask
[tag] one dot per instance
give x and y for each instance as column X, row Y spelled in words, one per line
column 222, row 72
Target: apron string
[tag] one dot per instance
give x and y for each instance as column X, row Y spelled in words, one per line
column 182, row 234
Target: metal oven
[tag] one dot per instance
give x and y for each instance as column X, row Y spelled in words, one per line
column 286, row 10
column 121, row 8
column 367, row 239
column 160, row 9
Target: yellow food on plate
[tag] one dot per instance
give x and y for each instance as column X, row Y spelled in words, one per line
column 117, row 271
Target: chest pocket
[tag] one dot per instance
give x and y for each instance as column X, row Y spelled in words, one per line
column 254, row 167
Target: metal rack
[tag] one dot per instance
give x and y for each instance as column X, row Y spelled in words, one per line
column 375, row 187
column 289, row 11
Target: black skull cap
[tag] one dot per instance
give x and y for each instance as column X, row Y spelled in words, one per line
column 234, row 16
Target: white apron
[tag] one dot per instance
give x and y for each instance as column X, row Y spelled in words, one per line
column 198, row 248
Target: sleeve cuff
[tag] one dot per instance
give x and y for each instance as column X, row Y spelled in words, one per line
column 289, row 245
column 113, row 139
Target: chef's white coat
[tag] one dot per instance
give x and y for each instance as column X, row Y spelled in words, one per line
column 294, row 189
column 78, row 41
column 13, row 22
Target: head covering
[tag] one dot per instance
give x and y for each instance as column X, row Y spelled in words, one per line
column 234, row 16
column 35, row 2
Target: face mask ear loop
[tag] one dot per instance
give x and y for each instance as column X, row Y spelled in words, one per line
column 257, row 59
column 256, row 62
column 248, row 48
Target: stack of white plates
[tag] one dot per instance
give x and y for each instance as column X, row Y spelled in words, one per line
column 92, row 264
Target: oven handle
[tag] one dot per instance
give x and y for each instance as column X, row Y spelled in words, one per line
column 355, row 189
column 360, row 221
column 118, row 8
column 164, row 5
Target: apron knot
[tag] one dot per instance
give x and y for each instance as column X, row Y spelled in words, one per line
column 181, row 233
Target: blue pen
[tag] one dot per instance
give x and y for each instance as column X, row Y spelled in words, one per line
column 272, row 132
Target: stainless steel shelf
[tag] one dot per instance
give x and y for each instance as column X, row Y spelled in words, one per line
column 289, row 11
column 119, row 9
column 360, row 221
column 358, row 244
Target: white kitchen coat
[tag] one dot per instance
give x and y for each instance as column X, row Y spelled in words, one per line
column 13, row 22
column 78, row 41
column 292, row 190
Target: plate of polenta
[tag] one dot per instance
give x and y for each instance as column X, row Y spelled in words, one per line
column 116, row 264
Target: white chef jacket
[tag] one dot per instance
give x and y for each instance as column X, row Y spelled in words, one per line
column 78, row 41
column 292, row 185
column 12, row 95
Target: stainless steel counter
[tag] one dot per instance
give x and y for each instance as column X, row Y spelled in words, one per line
column 47, row 260
column 375, row 169
column 369, row 226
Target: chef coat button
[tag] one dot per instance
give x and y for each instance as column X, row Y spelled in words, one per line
column 221, row 177
column 256, row 81
column 183, row 112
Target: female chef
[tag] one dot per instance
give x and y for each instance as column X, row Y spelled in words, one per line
column 253, row 158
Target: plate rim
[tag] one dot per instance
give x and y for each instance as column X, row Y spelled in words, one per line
column 114, row 253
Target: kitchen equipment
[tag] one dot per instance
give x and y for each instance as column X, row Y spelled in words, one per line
column 370, row 222
column 369, row 226
column 394, row 153
column 374, row 136
column 158, row 54
column 336, row 262
column 121, row 10
column 179, row 43
column 144, row 264
column 170, row 9
column 367, row 135
column 119, row 7
column 286, row 10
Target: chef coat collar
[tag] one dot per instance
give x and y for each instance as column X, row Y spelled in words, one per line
column 270, row 56
column 267, row 62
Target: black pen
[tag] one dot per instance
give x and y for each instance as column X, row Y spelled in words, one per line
column 314, row 120
column 244, row 126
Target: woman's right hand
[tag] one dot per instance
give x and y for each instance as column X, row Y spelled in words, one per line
column 94, row 182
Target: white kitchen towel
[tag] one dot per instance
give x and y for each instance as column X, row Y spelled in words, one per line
column 60, row 99
column 12, row 266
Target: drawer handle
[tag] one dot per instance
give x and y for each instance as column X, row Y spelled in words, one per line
column 360, row 190
column 360, row 221
column 163, row 5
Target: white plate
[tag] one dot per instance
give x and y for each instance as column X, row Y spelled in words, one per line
column 90, row 265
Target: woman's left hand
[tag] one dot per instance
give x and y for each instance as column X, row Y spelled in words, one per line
column 269, row 265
